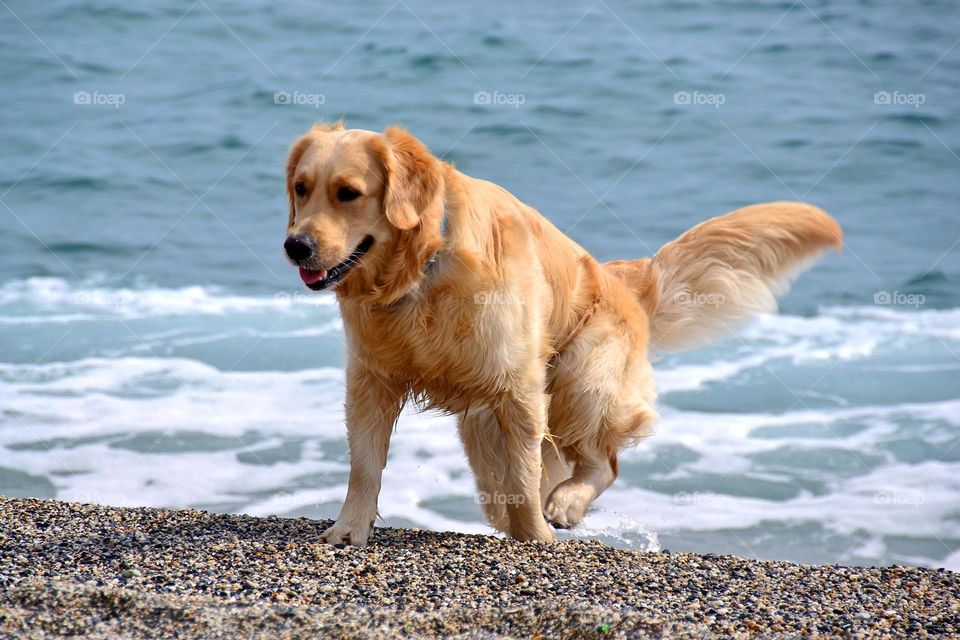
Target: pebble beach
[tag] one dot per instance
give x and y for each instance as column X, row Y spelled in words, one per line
column 71, row 569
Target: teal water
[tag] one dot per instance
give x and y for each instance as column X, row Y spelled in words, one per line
column 157, row 350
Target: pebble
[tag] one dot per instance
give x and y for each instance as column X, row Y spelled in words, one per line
column 69, row 570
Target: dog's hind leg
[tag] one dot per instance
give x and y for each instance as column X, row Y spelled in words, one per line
column 593, row 472
column 602, row 401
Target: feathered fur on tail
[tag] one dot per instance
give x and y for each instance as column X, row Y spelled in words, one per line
column 725, row 269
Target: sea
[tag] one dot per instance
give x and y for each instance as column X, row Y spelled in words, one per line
column 156, row 350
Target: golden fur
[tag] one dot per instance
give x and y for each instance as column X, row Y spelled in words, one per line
column 541, row 351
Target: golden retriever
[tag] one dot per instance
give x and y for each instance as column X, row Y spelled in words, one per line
column 457, row 295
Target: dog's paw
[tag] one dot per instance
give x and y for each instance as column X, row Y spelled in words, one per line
column 567, row 505
column 351, row 533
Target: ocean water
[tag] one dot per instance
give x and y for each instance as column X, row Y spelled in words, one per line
column 156, row 350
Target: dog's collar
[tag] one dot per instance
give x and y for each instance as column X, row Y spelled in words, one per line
column 436, row 254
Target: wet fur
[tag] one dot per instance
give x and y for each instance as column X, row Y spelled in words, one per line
column 541, row 351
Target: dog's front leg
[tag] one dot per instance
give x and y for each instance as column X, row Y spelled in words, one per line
column 372, row 408
column 523, row 421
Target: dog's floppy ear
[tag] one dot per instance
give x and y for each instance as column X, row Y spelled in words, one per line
column 293, row 159
column 412, row 177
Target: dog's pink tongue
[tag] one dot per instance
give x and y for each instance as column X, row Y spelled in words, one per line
column 309, row 276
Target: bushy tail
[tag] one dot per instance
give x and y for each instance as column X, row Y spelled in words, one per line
column 725, row 269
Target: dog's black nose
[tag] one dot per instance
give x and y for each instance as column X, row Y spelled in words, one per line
column 299, row 248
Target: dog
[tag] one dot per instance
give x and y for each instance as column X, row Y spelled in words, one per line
column 458, row 296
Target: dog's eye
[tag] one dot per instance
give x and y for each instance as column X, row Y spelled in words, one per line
column 346, row 194
column 300, row 189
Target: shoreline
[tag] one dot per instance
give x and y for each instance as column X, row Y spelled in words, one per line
column 68, row 569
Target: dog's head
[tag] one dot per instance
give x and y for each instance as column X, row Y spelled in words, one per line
column 364, row 209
